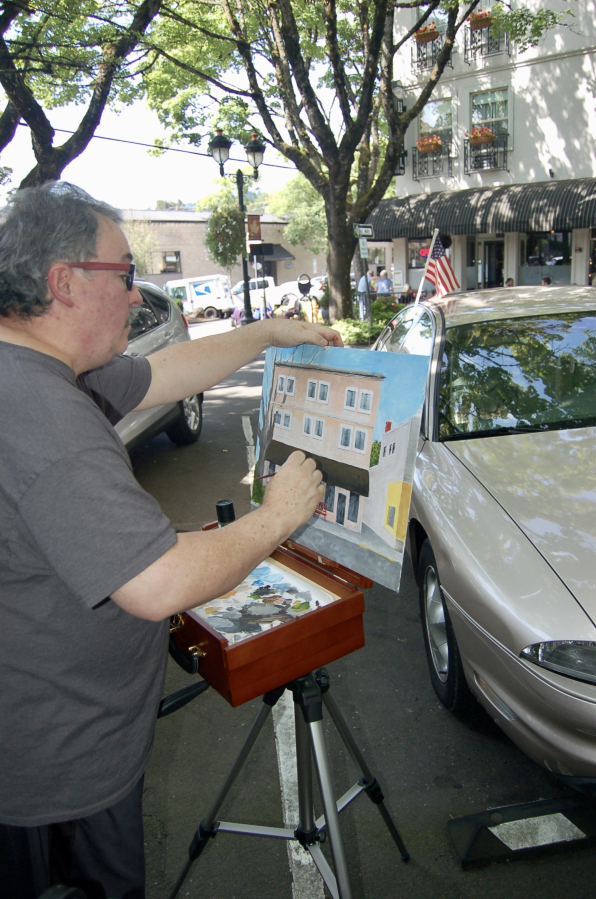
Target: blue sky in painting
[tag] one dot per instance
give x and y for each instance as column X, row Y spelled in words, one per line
column 402, row 393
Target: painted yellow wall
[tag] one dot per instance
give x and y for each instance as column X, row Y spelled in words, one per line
column 398, row 495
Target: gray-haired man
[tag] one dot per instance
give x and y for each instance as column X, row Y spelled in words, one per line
column 90, row 568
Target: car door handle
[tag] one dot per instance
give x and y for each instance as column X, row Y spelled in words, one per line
column 167, row 334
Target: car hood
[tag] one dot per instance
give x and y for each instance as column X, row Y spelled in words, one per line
column 546, row 482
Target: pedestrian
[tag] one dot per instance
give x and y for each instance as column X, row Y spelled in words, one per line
column 383, row 285
column 90, row 567
column 362, row 297
column 546, row 282
column 407, row 296
column 509, row 282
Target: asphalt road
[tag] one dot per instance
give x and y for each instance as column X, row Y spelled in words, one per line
column 431, row 765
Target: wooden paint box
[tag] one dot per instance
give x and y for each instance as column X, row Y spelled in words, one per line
column 242, row 671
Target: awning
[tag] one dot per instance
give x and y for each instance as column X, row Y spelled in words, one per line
column 541, row 206
column 336, row 474
column 271, row 252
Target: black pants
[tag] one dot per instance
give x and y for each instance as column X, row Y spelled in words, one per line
column 103, row 854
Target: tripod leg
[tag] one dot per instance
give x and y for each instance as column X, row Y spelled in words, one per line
column 306, row 829
column 257, row 725
column 330, row 807
column 370, row 783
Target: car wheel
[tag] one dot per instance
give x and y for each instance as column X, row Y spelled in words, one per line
column 210, row 312
column 442, row 652
column 187, row 427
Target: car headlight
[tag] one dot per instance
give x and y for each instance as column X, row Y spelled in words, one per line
column 573, row 658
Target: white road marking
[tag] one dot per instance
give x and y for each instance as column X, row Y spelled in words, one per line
column 306, row 880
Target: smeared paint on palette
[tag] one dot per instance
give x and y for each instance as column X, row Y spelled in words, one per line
column 269, row 596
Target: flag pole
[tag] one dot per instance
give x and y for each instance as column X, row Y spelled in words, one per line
column 431, row 248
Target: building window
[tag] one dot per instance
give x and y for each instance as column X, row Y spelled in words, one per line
column 359, row 440
column 353, row 506
column 491, row 108
column 311, row 390
column 323, row 392
column 345, row 437
column 171, row 261
column 319, row 425
column 436, row 118
column 391, row 516
column 281, row 383
column 415, row 260
column 544, row 254
column 287, row 419
column 307, row 425
column 365, row 404
column 330, row 497
column 277, row 418
column 384, row 450
column 350, row 402
column 290, row 386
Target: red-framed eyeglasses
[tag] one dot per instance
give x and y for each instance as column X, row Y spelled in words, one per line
column 128, row 267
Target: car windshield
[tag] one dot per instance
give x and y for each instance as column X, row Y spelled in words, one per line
column 519, row 374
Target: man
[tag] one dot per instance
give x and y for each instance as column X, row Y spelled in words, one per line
column 90, row 568
column 384, row 285
column 362, row 296
column 546, row 281
column 509, row 282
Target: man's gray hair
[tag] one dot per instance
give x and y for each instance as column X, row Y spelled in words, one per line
column 57, row 222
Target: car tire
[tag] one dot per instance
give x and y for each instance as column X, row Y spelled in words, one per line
column 442, row 652
column 210, row 312
column 187, row 427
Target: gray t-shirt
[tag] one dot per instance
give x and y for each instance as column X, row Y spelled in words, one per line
column 80, row 678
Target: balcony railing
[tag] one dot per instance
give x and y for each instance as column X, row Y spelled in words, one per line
column 431, row 165
column 424, row 56
column 486, row 156
column 480, row 42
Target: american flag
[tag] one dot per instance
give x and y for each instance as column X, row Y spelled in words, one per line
column 439, row 271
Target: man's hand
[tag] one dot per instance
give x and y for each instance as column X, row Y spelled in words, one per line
column 203, row 565
column 294, row 492
column 285, row 333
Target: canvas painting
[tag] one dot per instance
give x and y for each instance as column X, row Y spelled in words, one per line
column 357, row 413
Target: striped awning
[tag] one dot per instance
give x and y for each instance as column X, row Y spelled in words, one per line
column 541, row 206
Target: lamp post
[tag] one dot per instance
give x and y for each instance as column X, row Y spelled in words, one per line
column 219, row 147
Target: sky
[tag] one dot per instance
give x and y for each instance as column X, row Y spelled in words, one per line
column 127, row 176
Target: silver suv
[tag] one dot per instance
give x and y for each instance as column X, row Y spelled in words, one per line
column 158, row 324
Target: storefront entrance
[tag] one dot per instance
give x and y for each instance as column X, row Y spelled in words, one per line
column 490, row 258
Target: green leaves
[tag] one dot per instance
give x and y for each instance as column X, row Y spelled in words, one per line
column 224, row 237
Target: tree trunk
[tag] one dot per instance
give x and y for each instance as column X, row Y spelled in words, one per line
column 339, row 261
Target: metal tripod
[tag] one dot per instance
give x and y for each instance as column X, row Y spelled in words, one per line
column 310, row 693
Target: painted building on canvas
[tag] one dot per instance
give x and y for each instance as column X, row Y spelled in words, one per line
column 331, row 415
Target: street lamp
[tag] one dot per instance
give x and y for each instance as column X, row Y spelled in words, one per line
column 219, row 147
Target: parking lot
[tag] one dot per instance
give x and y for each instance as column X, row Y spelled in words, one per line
column 431, row 765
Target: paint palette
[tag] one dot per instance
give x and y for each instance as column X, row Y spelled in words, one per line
column 271, row 595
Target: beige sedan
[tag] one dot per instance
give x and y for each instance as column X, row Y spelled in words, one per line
column 502, row 532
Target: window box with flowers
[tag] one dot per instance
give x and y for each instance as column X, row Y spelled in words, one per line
column 479, row 19
column 430, row 144
column 481, row 135
column 427, row 33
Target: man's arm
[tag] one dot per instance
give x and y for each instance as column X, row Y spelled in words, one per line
column 195, row 365
column 205, row 564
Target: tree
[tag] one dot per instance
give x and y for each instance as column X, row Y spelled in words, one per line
column 318, row 81
column 225, row 236
column 305, row 210
column 226, row 194
column 143, row 244
column 55, row 53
